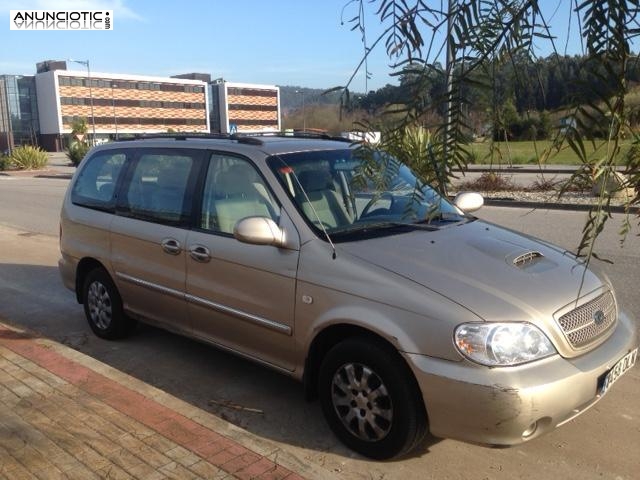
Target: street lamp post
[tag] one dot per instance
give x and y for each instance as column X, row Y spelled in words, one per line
column 93, row 119
column 304, row 117
column 4, row 94
column 113, row 103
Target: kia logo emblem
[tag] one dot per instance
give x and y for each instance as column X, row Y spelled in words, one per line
column 598, row 317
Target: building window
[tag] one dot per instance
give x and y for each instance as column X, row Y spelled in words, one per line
column 252, row 92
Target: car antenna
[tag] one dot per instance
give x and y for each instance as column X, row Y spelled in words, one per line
column 324, row 230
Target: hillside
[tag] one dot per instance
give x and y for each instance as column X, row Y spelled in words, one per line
column 291, row 97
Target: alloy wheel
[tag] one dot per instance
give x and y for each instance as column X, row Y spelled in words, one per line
column 362, row 402
column 100, row 305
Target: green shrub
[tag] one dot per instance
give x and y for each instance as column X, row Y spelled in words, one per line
column 77, row 151
column 489, row 182
column 28, row 157
column 4, row 162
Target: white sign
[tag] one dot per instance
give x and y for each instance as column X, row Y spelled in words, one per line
column 61, row 20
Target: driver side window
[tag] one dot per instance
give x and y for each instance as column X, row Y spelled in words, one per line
column 234, row 190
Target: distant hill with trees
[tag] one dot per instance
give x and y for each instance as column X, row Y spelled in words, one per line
column 519, row 99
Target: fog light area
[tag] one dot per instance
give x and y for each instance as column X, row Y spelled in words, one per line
column 531, row 429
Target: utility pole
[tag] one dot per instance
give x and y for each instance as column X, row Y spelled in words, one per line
column 449, row 82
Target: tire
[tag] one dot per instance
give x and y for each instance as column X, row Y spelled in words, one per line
column 103, row 306
column 380, row 419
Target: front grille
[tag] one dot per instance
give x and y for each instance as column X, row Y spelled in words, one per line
column 584, row 324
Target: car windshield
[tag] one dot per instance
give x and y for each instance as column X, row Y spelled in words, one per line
column 346, row 196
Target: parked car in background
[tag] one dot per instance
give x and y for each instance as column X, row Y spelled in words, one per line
column 400, row 310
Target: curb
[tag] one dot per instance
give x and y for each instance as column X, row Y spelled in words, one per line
column 576, row 207
column 217, row 441
column 36, row 174
column 525, row 169
column 62, row 176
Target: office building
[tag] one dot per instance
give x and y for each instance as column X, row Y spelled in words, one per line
column 243, row 107
column 18, row 111
column 40, row 109
column 116, row 104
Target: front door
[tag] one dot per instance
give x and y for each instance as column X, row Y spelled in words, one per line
column 240, row 296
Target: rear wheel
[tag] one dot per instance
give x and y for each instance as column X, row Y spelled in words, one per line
column 370, row 399
column 103, row 306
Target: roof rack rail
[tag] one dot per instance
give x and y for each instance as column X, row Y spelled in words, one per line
column 295, row 134
column 174, row 135
column 246, row 138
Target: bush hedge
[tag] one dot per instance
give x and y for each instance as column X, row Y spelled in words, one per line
column 28, row 157
column 77, row 151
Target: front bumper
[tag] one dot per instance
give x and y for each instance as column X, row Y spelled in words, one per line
column 496, row 406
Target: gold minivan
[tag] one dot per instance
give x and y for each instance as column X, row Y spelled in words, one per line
column 401, row 311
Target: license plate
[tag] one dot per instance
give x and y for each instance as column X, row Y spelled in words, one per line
column 621, row 366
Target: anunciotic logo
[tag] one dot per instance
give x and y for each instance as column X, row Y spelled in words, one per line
column 61, row 20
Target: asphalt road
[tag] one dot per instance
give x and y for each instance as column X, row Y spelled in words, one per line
column 602, row 443
column 32, row 204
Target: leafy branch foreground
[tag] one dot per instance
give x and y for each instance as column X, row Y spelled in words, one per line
column 478, row 38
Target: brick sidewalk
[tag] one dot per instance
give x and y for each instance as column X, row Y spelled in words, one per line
column 66, row 415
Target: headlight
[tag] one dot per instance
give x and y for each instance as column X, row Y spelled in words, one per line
column 502, row 344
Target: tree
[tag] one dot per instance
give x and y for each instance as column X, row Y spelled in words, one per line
column 489, row 41
column 79, row 128
column 78, row 144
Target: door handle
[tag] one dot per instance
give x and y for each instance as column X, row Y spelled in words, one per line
column 200, row 253
column 171, row 246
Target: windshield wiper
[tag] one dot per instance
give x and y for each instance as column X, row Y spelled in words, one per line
column 441, row 218
column 380, row 227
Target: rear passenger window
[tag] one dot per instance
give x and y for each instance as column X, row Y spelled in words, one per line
column 158, row 189
column 95, row 186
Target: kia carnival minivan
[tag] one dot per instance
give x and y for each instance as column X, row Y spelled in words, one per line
column 401, row 311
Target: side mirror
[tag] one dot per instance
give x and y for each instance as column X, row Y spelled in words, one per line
column 259, row 231
column 468, row 201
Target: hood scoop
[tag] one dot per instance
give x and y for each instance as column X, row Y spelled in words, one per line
column 525, row 259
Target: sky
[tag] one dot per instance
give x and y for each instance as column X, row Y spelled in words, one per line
column 307, row 43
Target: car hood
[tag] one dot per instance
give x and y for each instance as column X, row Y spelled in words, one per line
column 498, row 274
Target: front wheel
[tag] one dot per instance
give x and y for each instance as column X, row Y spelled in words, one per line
column 370, row 399
column 103, row 306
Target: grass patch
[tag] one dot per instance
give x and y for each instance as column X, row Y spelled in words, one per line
column 527, row 152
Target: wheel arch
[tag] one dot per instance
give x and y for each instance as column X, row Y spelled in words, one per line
column 85, row 266
column 327, row 339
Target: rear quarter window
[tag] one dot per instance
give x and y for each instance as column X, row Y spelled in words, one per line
column 95, row 185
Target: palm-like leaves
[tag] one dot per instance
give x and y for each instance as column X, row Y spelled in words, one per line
column 481, row 34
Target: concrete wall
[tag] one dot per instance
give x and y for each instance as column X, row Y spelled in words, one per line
column 48, row 103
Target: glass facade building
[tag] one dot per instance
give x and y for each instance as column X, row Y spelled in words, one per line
column 18, row 111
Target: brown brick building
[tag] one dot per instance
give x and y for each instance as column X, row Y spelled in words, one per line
column 116, row 104
column 244, row 107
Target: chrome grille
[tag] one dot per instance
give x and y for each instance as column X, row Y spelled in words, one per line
column 584, row 324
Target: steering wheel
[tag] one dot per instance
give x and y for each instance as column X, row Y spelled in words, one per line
column 366, row 211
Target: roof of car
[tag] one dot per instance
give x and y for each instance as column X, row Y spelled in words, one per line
column 269, row 144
